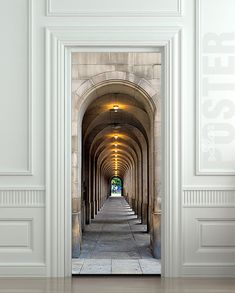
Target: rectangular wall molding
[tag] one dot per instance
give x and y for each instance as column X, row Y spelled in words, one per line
column 216, row 234
column 23, row 197
column 215, row 66
column 208, row 241
column 208, row 269
column 60, row 8
column 208, row 197
column 22, row 243
column 28, row 171
column 17, row 234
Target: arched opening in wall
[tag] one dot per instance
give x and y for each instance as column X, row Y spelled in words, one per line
column 116, row 185
column 116, row 153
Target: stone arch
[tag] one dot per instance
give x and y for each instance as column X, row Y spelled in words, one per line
column 83, row 96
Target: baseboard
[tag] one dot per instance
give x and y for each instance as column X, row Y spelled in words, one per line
column 34, row 270
column 208, row 270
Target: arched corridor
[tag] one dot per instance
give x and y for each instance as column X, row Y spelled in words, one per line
column 116, row 132
column 116, row 177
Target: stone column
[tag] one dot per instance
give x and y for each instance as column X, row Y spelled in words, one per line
column 144, row 208
column 156, row 229
column 156, row 235
column 76, row 228
column 156, row 215
column 76, row 196
column 88, row 212
column 144, row 203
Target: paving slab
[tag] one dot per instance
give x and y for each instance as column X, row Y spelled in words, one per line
column 150, row 266
column 94, row 266
column 129, row 267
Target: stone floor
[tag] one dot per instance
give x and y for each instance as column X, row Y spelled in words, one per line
column 116, row 243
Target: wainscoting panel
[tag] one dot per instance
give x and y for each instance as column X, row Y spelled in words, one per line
column 16, row 88
column 16, row 234
column 109, row 8
column 22, row 235
column 208, row 240
column 217, row 234
column 22, row 230
column 215, row 86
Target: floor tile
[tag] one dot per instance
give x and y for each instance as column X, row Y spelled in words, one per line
column 150, row 266
column 96, row 266
column 77, row 265
column 129, row 267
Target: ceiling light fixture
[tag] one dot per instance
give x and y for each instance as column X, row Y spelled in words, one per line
column 115, row 108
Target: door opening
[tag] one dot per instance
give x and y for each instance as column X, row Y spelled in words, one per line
column 115, row 149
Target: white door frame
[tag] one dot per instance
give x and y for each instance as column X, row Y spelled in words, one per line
column 60, row 42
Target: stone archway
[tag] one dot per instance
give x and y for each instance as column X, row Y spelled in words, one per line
column 141, row 89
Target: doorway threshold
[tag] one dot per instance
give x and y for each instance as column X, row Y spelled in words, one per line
column 116, row 266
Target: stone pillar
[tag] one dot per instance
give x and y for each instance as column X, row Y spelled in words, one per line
column 76, row 228
column 139, row 209
column 76, row 196
column 96, row 206
column 88, row 212
column 133, row 204
column 144, row 213
column 136, row 206
column 149, row 217
column 157, row 211
column 156, row 234
column 83, row 209
column 92, row 210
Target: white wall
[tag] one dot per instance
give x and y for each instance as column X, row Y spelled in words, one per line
column 208, row 187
